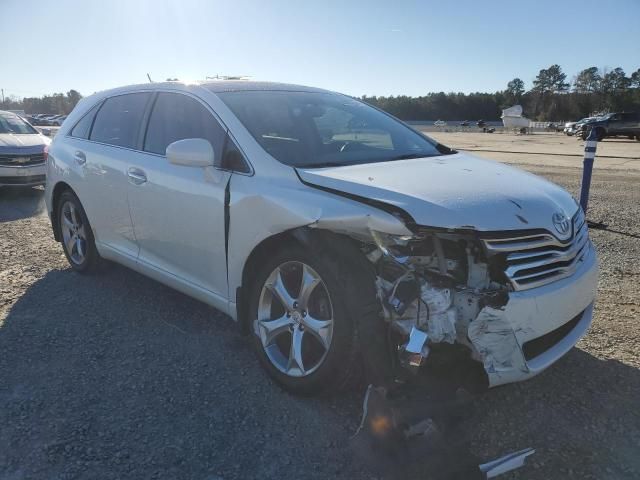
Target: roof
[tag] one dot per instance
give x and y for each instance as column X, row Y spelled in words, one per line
column 218, row 86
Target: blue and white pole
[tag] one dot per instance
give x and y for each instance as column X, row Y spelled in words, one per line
column 589, row 156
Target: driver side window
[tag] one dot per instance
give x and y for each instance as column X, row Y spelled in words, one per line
column 175, row 117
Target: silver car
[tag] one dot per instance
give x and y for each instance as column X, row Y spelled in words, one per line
column 334, row 234
column 22, row 152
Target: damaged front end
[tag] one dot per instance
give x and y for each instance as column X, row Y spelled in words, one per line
column 439, row 288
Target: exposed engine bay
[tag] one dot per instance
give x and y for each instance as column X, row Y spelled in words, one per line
column 442, row 288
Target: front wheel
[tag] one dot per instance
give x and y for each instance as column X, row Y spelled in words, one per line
column 302, row 330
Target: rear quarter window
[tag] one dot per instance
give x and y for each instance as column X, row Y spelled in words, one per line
column 83, row 127
column 119, row 120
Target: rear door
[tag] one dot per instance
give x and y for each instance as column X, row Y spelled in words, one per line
column 178, row 211
column 101, row 145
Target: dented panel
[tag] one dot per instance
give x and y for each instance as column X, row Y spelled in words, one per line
column 259, row 211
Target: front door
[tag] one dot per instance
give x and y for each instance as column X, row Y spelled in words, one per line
column 178, row 211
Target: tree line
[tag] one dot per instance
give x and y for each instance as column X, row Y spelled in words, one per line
column 56, row 103
column 551, row 98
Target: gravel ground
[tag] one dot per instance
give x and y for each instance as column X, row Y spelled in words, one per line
column 117, row 376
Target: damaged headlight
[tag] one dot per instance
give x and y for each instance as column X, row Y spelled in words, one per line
column 388, row 243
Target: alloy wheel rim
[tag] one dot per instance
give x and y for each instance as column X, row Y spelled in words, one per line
column 73, row 233
column 295, row 319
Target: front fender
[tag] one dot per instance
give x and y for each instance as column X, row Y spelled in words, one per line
column 258, row 209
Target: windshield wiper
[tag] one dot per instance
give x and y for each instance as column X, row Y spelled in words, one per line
column 322, row 164
column 409, row 156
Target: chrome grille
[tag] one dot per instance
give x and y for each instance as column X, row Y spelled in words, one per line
column 21, row 160
column 538, row 259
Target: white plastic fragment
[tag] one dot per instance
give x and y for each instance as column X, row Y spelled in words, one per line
column 506, row 464
column 442, row 326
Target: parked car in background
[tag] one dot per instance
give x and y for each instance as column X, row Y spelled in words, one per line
column 39, row 119
column 51, row 120
column 570, row 128
column 22, row 152
column 619, row 124
column 57, row 121
column 331, row 231
column 34, row 119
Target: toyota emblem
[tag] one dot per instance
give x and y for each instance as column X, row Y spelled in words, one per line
column 561, row 222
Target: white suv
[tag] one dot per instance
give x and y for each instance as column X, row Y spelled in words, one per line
column 333, row 233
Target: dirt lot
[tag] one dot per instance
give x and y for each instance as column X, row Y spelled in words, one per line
column 117, row 376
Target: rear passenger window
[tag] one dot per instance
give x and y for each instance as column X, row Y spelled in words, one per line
column 176, row 117
column 83, row 127
column 119, row 120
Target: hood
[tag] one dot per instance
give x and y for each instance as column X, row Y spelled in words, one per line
column 453, row 191
column 13, row 144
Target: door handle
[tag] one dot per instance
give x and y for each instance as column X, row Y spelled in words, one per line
column 80, row 157
column 136, row 176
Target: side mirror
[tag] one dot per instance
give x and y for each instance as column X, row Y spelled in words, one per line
column 191, row 152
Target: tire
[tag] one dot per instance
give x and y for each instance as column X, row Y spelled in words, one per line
column 600, row 134
column 325, row 368
column 73, row 224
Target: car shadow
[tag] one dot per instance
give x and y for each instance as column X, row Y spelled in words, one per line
column 116, row 374
column 20, row 202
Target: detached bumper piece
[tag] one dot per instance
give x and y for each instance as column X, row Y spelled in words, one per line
column 405, row 440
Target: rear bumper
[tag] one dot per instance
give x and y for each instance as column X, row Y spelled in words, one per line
column 536, row 327
column 23, row 176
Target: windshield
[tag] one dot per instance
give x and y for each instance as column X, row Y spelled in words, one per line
column 315, row 129
column 12, row 123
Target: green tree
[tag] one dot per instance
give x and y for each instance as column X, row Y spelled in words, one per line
column 551, row 80
column 588, row 80
column 515, row 90
column 548, row 83
column 634, row 80
column 73, row 97
column 615, row 81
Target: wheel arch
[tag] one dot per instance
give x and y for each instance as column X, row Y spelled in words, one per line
column 58, row 190
column 343, row 246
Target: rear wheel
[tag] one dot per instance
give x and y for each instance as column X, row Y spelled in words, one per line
column 77, row 238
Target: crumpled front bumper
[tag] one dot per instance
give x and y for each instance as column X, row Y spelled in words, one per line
column 536, row 327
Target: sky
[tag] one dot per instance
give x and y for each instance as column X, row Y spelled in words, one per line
column 372, row 47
